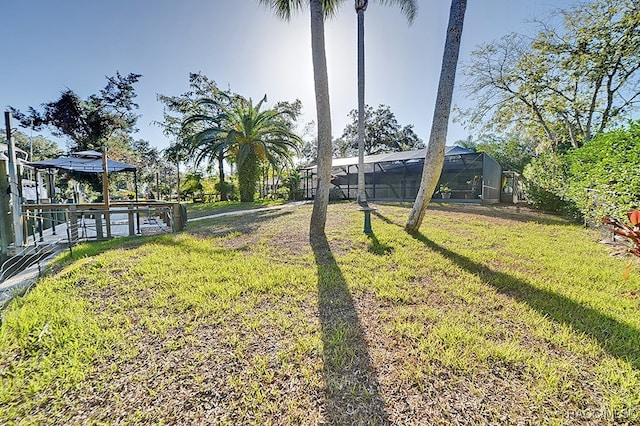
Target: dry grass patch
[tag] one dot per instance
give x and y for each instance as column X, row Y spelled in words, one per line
column 488, row 316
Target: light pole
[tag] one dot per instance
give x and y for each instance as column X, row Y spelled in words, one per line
column 16, row 202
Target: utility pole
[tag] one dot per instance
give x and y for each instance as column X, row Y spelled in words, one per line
column 16, row 202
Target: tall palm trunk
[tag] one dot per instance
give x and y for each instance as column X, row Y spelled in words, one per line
column 323, row 111
column 361, row 6
column 434, row 158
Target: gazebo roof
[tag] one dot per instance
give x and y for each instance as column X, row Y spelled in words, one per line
column 84, row 162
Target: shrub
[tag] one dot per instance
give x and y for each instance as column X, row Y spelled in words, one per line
column 192, row 184
column 546, row 177
column 292, row 182
column 227, row 190
column 603, row 176
column 600, row 178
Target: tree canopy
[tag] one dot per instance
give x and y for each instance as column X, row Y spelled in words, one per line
column 177, row 108
column 41, row 147
column 382, row 133
column 512, row 153
column 88, row 123
column 566, row 84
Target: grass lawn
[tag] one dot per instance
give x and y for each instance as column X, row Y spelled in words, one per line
column 488, row 316
column 195, row 210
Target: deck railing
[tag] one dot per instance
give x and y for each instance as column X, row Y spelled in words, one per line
column 97, row 221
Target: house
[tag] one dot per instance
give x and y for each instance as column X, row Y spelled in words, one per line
column 471, row 177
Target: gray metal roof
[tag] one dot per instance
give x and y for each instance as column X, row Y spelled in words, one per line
column 416, row 154
column 84, row 162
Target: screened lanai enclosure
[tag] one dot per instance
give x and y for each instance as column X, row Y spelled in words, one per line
column 467, row 177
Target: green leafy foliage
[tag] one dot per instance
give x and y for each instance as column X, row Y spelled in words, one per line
column 42, row 148
column 512, row 153
column 382, row 133
column 600, row 178
column 88, row 123
column 192, row 184
column 227, row 190
column 250, row 135
column 248, row 176
column 546, row 176
column 566, row 84
column 292, row 182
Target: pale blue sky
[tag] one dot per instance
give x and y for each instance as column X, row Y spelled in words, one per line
column 51, row 45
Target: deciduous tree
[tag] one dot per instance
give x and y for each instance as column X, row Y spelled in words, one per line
column 512, row 152
column 566, row 84
column 382, row 133
column 41, row 147
column 88, row 123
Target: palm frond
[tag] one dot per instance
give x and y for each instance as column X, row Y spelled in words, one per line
column 282, row 8
column 409, row 8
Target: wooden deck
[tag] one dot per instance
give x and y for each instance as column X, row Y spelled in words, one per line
column 72, row 223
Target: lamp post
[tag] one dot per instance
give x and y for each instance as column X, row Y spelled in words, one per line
column 5, row 228
column 16, row 202
column 367, row 219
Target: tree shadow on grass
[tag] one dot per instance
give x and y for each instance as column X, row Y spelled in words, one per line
column 618, row 339
column 351, row 392
column 385, row 219
column 502, row 211
column 377, row 247
column 244, row 223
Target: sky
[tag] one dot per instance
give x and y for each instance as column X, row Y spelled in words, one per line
column 49, row 46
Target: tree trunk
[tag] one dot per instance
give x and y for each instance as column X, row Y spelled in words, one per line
column 323, row 111
column 223, row 194
column 248, row 177
column 434, row 158
column 361, row 6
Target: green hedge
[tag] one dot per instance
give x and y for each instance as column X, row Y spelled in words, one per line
column 600, row 178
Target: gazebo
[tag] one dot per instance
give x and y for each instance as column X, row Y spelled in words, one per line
column 89, row 162
column 92, row 162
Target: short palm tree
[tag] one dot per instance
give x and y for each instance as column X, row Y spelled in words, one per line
column 248, row 134
column 319, row 10
column 409, row 8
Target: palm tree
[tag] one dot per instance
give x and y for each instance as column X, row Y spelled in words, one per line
column 248, row 134
column 434, row 158
column 319, row 10
column 409, row 8
column 206, row 144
